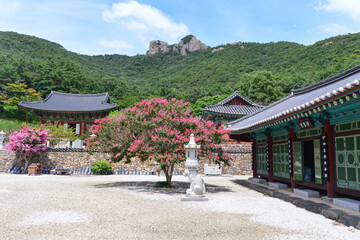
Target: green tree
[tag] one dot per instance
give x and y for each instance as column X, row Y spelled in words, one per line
column 59, row 132
column 15, row 92
column 260, row 87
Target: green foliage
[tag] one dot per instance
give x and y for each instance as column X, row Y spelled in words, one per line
column 13, row 93
column 12, row 117
column 59, row 132
column 44, row 66
column 187, row 38
column 128, row 101
column 101, row 166
column 260, row 87
column 11, row 125
column 200, row 104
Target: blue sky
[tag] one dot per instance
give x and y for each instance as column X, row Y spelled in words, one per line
column 95, row 27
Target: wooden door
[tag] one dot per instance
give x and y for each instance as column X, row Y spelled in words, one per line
column 347, row 161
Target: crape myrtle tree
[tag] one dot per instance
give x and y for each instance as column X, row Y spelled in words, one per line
column 155, row 131
column 28, row 142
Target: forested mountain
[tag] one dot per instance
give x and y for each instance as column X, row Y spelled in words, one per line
column 46, row 66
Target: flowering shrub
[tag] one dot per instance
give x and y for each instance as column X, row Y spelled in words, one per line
column 28, row 142
column 156, row 130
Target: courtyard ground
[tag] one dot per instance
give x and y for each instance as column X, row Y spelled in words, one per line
column 130, row 207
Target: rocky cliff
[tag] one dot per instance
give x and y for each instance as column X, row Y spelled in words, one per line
column 187, row 45
column 157, row 46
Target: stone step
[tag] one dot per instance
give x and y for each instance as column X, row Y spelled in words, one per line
column 277, row 185
column 307, row 193
column 259, row 180
column 347, row 203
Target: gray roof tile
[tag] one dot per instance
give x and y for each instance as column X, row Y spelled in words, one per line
column 67, row 102
column 240, row 110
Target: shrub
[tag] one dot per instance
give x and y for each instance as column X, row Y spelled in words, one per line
column 101, row 166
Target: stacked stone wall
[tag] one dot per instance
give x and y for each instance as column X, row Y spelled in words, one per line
column 241, row 152
column 7, row 159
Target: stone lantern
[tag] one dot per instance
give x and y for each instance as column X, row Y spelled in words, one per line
column 192, row 150
column 2, row 137
column 197, row 186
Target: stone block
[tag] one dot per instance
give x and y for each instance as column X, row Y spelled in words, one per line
column 259, row 180
column 349, row 220
column 316, row 207
column 287, row 198
column 333, row 214
column 307, row 193
column 347, row 203
column 301, row 203
column 277, row 185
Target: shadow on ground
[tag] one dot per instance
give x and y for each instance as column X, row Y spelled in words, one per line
column 177, row 187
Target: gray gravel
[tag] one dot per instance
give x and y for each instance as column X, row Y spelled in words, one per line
column 130, row 207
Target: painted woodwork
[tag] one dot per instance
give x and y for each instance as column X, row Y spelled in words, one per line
column 347, row 161
column 298, row 161
column 318, row 162
column 261, row 160
column 237, row 101
column 281, row 160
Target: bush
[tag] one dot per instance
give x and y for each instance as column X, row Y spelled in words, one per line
column 101, row 166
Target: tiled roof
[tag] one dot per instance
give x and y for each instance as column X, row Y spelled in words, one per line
column 299, row 99
column 240, row 110
column 235, row 95
column 57, row 101
column 232, row 109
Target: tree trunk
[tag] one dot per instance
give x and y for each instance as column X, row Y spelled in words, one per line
column 168, row 171
column 26, row 165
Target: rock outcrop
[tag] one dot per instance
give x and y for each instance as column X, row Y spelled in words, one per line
column 157, row 46
column 217, row 49
column 187, row 45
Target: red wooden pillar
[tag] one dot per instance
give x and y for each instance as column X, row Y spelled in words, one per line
column 270, row 173
column 27, row 113
column 82, row 128
column 292, row 137
column 329, row 130
column 254, row 158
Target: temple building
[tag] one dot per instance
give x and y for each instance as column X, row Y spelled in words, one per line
column 231, row 108
column 78, row 111
column 310, row 138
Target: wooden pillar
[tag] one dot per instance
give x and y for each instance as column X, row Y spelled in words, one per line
column 292, row 137
column 254, row 157
column 82, row 128
column 270, row 173
column 331, row 150
column 27, row 113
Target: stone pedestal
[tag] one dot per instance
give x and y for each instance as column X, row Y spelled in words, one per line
column 187, row 198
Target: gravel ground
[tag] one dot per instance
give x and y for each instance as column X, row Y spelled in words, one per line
column 130, row 207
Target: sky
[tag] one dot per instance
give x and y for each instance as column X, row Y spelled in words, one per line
column 96, row 27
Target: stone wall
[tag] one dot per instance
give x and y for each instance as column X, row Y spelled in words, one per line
column 7, row 158
column 241, row 152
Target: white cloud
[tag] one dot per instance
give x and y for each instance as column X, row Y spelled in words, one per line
column 336, row 29
column 146, row 21
column 350, row 7
column 115, row 44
